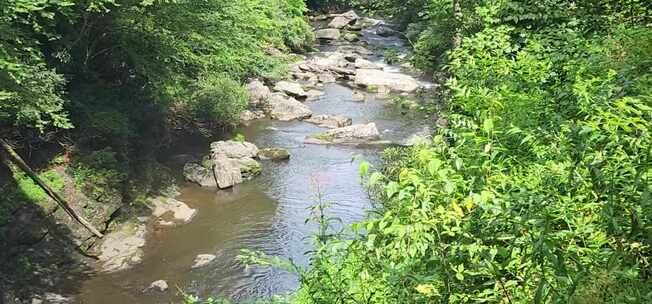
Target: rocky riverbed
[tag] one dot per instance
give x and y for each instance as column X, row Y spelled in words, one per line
column 303, row 134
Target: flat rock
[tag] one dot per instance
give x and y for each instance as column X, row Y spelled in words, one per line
column 330, row 121
column 160, row 286
column 274, row 154
column 281, row 107
column 365, row 64
column 198, row 174
column 202, row 260
column 314, row 94
column 122, row 248
column 393, row 81
column 290, row 88
column 258, row 92
column 328, row 34
column 234, row 149
column 179, row 212
column 355, row 134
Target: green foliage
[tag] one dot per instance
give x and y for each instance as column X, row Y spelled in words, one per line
column 217, row 100
column 538, row 192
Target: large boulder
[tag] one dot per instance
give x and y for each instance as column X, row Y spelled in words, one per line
column 291, row 88
column 200, row 175
column 258, row 92
column 328, row 34
column 282, row 107
column 234, row 149
column 330, row 121
column 122, row 248
column 393, row 81
column 355, row 134
column 227, row 171
column 274, row 154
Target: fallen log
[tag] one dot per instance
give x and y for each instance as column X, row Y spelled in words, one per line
column 13, row 157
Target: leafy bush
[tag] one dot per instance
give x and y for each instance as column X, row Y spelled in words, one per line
column 217, row 101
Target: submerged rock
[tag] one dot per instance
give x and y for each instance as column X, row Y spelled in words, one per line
column 328, row 34
column 291, row 88
column 274, row 154
column 358, row 96
column 354, row 134
column 178, row 211
column 282, row 107
column 198, row 174
column 371, row 78
column 160, row 286
column 330, row 121
column 202, row 260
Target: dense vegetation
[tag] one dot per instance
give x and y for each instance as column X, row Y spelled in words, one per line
column 104, row 82
column 540, row 188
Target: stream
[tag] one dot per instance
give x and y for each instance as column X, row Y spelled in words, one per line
column 268, row 213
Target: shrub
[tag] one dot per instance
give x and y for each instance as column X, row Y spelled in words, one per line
column 217, row 101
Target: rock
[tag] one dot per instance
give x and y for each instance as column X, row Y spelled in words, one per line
column 328, row 34
column 234, row 149
column 258, row 92
column 281, row 107
column 274, row 154
column 368, row 22
column 198, row 174
column 351, row 37
column 351, row 15
column 291, row 88
column 393, row 81
column 314, row 94
column 53, row 298
column 227, row 171
column 247, row 116
column 249, row 167
column 160, row 286
column 342, row 71
column 202, row 260
column 179, row 211
column 340, row 22
column 365, row 64
column 330, row 121
column 122, row 248
column 385, row 31
column 326, row 78
column 358, row 96
column 347, row 135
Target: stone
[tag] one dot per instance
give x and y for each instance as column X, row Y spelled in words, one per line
column 234, row 149
column 258, row 92
column 314, row 94
column 227, row 171
column 365, row 64
column 330, row 121
column 351, row 15
column 385, row 31
column 393, row 81
column 340, row 22
column 202, row 260
column 291, row 88
column 367, row 22
column 328, row 34
column 179, row 212
column 284, row 108
column 358, row 96
column 53, row 298
column 160, row 286
column 247, row 116
column 122, row 248
column 198, row 174
column 326, row 78
column 274, row 154
column 249, row 167
column 351, row 37
column 355, row 134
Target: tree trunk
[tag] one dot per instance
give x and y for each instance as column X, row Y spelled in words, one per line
column 13, row 157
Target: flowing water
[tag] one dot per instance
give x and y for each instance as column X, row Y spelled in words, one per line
column 266, row 214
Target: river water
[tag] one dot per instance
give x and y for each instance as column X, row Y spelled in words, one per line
column 266, row 214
